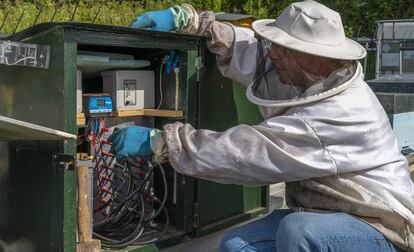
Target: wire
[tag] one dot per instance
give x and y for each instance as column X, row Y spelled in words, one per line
column 167, row 222
column 164, row 180
column 130, row 219
column 159, row 104
column 20, row 60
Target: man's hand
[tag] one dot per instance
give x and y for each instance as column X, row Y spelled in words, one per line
column 131, row 142
column 162, row 20
column 179, row 18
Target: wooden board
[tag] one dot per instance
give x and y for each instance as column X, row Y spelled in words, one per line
column 12, row 129
column 126, row 113
column 89, row 246
column 163, row 113
column 80, row 119
column 149, row 112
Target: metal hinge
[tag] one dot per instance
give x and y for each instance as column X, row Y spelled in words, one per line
column 64, row 161
column 198, row 65
column 198, row 62
column 196, row 219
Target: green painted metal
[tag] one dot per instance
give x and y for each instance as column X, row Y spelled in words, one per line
column 187, row 188
column 48, row 98
column 32, row 191
column 222, row 105
column 38, row 96
column 247, row 113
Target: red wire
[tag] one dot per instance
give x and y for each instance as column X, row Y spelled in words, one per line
column 166, row 80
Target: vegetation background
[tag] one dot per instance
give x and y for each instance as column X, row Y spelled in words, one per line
column 358, row 16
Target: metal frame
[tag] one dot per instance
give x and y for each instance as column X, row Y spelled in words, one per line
column 380, row 41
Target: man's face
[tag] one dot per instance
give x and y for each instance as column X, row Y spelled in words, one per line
column 295, row 68
column 286, row 65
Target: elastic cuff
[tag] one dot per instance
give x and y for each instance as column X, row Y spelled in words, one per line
column 181, row 17
column 158, row 146
column 155, row 136
column 194, row 21
column 206, row 20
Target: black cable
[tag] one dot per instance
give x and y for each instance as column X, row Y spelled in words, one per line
column 101, row 223
column 132, row 213
column 164, row 179
column 167, row 222
column 128, row 240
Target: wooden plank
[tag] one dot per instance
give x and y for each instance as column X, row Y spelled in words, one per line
column 125, row 113
column 163, row 113
column 12, row 129
column 149, row 112
column 86, row 243
column 83, row 204
column 80, row 119
column 89, row 246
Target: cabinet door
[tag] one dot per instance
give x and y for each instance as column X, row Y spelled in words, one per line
column 223, row 104
column 12, row 129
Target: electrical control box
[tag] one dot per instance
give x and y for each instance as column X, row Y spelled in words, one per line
column 130, row 89
column 78, row 91
column 98, row 104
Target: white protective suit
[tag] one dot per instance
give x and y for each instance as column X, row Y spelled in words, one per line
column 333, row 145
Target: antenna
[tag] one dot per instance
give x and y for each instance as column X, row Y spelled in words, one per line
column 4, row 20
column 38, row 14
column 20, row 19
column 74, row 12
column 97, row 13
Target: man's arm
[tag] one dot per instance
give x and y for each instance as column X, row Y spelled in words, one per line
column 235, row 49
column 282, row 149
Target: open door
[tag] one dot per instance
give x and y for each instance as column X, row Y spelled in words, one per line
column 12, row 129
column 223, row 104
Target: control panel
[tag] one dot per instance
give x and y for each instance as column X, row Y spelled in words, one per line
column 98, row 104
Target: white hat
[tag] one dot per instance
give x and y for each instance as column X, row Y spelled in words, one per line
column 311, row 28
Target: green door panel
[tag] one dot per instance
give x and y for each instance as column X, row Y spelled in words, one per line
column 223, row 104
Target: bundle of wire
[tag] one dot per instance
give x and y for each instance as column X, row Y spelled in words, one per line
column 125, row 203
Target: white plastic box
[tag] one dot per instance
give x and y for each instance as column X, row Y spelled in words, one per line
column 78, row 91
column 130, row 89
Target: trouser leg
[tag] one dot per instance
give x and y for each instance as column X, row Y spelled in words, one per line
column 285, row 231
column 258, row 235
column 309, row 232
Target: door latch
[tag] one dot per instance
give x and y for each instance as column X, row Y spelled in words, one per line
column 64, row 161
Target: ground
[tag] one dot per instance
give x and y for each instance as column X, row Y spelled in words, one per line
column 211, row 242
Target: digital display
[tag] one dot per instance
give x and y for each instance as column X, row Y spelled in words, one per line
column 100, row 105
column 100, row 102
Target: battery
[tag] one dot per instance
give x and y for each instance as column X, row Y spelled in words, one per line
column 130, row 89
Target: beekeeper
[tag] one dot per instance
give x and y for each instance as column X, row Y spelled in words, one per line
column 324, row 133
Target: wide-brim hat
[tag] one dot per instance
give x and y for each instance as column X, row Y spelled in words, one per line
column 311, row 28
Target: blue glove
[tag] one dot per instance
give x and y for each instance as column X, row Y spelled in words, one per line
column 131, row 142
column 162, row 20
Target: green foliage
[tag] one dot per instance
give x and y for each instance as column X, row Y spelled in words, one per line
column 358, row 16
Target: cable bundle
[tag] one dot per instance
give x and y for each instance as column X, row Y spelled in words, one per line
column 125, row 203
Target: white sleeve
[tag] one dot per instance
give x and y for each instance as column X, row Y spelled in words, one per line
column 241, row 66
column 282, row 149
column 235, row 48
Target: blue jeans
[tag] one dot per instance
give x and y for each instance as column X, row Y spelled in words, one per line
column 285, row 231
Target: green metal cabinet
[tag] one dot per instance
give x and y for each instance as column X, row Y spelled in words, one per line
column 38, row 206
